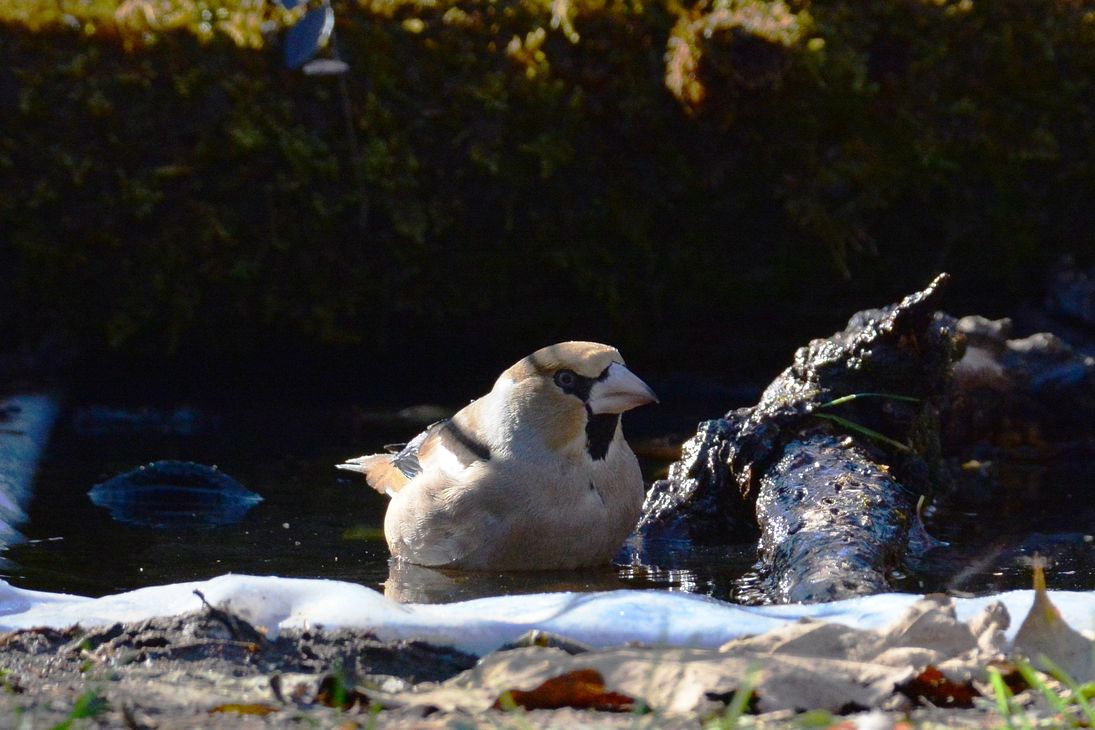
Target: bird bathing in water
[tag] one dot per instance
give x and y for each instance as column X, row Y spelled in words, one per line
column 535, row 474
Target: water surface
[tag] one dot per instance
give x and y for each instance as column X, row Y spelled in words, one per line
column 317, row 522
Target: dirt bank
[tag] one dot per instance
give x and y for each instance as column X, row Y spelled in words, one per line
column 210, row 669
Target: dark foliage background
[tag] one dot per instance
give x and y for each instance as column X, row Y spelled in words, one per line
column 705, row 187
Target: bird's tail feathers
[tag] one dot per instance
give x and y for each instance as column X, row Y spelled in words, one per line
column 380, row 472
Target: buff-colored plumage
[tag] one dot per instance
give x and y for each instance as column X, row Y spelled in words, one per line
column 534, row 475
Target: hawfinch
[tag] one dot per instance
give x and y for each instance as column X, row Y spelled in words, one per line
column 534, row 475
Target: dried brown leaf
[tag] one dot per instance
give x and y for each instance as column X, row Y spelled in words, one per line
column 256, row 708
column 582, row 689
column 932, row 686
column 1044, row 633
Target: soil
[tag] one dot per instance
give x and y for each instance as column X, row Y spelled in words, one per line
column 205, row 669
column 212, row 670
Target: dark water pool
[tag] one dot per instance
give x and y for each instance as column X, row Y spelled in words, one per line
column 314, row 521
column 317, row 522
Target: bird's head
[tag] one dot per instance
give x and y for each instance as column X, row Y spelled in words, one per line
column 564, row 389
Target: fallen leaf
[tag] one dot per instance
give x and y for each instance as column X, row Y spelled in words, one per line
column 582, row 689
column 803, row 665
column 1045, row 634
column 934, row 687
column 246, row 709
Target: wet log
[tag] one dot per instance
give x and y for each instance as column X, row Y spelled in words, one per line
column 830, row 481
column 834, row 521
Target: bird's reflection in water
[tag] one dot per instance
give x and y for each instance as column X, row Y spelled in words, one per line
column 409, row 583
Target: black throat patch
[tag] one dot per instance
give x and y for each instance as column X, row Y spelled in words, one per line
column 600, row 429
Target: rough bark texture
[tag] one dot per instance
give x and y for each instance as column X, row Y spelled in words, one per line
column 818, row 490
column 833, row 519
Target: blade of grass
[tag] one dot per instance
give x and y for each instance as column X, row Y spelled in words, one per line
column 1030, row 674
column 374, row 715
column 1003, row 699
column 1077, row 692
column 856, row 396
column 741, row 698
column 88, row 705
column 869, row 433
column 728, row 720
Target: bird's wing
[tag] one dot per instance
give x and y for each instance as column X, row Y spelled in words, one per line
column 445, row 515
column 448, row 445
column 388, row 472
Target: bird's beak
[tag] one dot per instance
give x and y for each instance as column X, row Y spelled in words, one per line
column 618, row 391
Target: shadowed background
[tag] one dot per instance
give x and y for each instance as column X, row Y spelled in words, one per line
column 225, row 259
column 705, row 187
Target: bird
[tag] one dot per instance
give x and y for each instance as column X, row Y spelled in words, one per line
column 534, row 475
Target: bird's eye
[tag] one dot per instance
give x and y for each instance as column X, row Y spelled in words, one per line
column 566, row 379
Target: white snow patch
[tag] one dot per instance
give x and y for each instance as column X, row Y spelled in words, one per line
column 599, row 619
